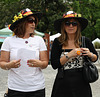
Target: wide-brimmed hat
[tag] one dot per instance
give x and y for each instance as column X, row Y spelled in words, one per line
column 70, row 14
column 23, row 14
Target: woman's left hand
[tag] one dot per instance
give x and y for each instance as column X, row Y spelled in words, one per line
column 34, row 63
column 86, row 52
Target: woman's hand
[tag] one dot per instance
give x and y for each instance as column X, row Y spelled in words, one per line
column 75, row 52
column 13, row 64
column 86, row 52
column 72, row 54
column 34, row 63
column 8, row 65
column 5, row 63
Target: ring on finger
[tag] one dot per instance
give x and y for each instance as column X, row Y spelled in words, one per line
column 78, row 52
column 32, row 64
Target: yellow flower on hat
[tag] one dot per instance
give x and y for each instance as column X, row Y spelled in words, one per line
column 20, row 16
column 17, row 17
column 78, row 15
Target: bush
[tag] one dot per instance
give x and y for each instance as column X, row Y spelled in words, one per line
column 97, row 45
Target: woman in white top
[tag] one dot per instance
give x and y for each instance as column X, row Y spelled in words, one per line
column 24, row 57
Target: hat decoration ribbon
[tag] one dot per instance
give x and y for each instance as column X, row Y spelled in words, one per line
column 21, row 15
column 72, row 15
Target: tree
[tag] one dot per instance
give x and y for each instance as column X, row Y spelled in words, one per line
column 90, row 10
column 7, row 11
column 52, row 10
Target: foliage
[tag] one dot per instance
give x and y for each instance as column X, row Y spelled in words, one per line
column 97, row 45
column 90, row 10
column 52, row 10
column 7, row 12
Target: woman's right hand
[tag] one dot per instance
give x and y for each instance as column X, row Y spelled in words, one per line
column 13, row 64
column 71, row 54
column 75, row 52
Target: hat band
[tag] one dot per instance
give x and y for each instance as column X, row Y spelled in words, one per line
column 20, row 16
column 72, row 15
column 27, row 13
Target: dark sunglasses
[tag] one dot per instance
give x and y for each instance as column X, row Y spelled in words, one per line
column 73, row 23
column 30, row 20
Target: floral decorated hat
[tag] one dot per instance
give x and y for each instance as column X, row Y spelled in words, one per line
column 23, row 14
column 70, row 14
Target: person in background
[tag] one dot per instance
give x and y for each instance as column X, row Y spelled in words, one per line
column 24, row 56
column 67, row 56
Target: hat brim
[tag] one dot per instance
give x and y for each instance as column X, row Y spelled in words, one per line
column 13, row 25
column 83, row 22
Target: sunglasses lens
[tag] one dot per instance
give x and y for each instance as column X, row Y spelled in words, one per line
column 31, row 20
column 67, row 23
column 73, row 23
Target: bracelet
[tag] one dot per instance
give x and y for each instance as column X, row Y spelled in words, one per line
column 6, row 67
column 67, row 57
column 92, row 56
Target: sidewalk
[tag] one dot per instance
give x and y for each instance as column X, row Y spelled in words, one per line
column 49, row 75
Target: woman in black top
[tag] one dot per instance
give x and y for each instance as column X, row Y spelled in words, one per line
column 66, row 56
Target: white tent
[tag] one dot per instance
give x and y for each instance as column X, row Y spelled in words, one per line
column 96, row 40
column 52, row 37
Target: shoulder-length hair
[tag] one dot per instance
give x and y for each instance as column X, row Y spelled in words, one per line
column 64, row 37
column 20, row 29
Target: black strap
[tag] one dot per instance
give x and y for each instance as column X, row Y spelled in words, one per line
column 83, row 41
column 84, row 46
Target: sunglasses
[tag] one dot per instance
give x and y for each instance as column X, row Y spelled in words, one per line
column 73, row 23
column 30, row 20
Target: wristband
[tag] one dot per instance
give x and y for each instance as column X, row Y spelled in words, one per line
column 67, row 57
column 92, row 56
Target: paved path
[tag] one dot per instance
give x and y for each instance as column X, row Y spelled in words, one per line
column 49, row 75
